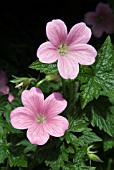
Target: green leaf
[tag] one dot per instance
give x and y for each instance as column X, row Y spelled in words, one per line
column 3, row 100
column 90, row 90
column 108, row 144
column 106, row 81
column 77, row 167
column 70, row 138
column 100, row 121
column 105, row 58
column 44, row 68
column 77, row 125
column 80, row 155
column 100, row 76
column 19, row 161
column 61, row 157
column 88, row 137
column 3, row 151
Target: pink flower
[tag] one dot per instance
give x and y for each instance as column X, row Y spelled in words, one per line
column 102, row 20
column 40, row 116
column 4, row 89
column 70, row 49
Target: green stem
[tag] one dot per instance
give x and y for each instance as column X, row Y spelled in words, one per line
column 109, row 164
column 40, row 82
column 63, row 87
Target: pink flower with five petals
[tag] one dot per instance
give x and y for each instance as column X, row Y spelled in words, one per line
column 70, row 49
column 40, row 116
column 4, row 89
column 102, row 20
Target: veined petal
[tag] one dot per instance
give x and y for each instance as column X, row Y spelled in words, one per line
column 90, row 18
column 84, row 54
column 56, row 126
column 33, row 99
column 37, row 135
column 47, row 53
column 79, row 33
column 56, row 31
column 54, row 104
column 68, row 67
column 22, row 118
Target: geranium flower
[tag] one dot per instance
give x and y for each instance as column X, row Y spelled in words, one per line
column 4, row 89
column 102, row 20
column 69, row 49
column 40, row 116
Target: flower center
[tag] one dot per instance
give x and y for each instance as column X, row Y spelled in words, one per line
column 41, row 118
column 63, row 49
column 100, row 19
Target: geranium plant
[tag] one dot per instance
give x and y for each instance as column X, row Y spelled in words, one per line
column 64, row 118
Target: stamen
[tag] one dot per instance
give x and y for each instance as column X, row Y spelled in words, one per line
column 63, row 49
column 41, row 118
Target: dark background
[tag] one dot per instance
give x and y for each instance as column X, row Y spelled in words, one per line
column 22, row 28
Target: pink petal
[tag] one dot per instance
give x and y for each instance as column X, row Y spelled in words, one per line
column 4, row 89
column 3, row 78
column 54, row 104
column 37, row 135
column 33, row 99
column 90, row 18
column 109, row 24
column 10, row 97
column 97, row 30
column 47, row 53
column 103, row 8
column 79, row 33
column 68, row 67
column 56, row 126
column 84, row 54
column 56, row 31
column 22, row 118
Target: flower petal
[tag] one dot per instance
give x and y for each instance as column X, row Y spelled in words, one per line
column 33, row 99
column 79, row 33
column 22, row 118
column 103, row 8
column 4, row 89
column 90, row 18
column 3, row 78
column 10, row 97
column 97, row 30
column 47, row 53
column 56, row 31
column 37, row 135
column 68, row 67
column 84, row 54
column 56, row 126
column 54, row 104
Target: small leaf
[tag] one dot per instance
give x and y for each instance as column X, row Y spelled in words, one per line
column 108, row 144
column 44, row 68
column 99, row 121
column 77, row 125
column 17, row 161
column 88, row 137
